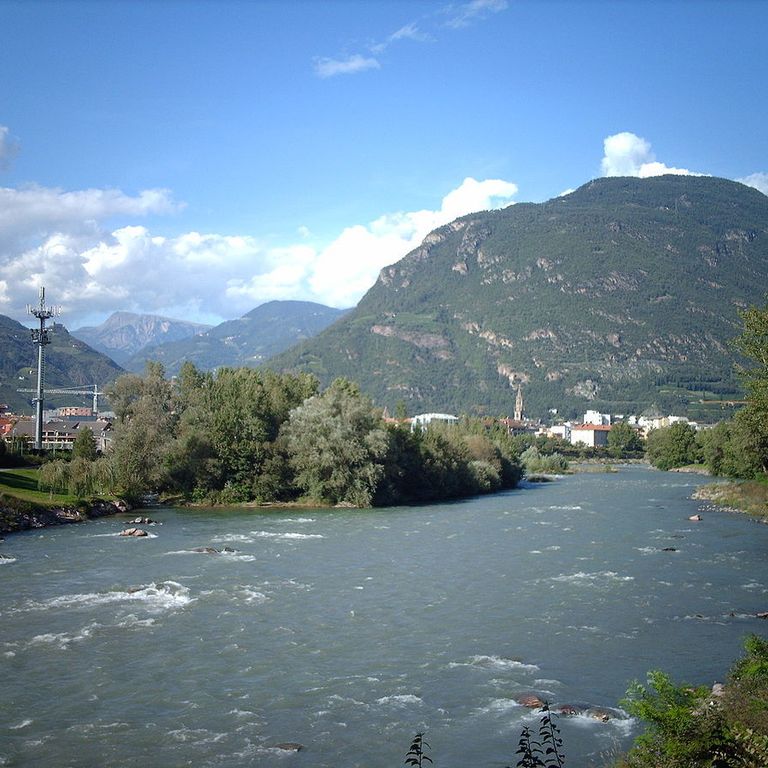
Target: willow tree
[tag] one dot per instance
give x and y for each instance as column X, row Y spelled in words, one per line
column 337, row 445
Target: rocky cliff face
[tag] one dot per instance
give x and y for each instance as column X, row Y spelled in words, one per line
column 622, row 294
column 124, row 334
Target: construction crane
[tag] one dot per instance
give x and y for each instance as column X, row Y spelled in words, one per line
column 85, row 390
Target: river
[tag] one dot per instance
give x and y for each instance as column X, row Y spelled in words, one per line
column 348, row 631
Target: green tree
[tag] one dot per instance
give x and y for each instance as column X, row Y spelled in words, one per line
column 337, row 445
column 670, row 447
column 753, row 344
column 85, row 445
column 624, row 441
column 144, row 432
column 53, row 476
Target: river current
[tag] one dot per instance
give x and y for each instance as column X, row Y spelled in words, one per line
column 348, row 631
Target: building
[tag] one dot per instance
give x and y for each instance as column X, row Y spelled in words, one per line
column 61, row 435
column 597, row 418
column 425, row 419
column 74, row 410
column 592, row 435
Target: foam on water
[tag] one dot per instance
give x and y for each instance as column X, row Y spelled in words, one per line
column 159, row 596
column 7, row 560
column 400, row 700
column 495, row 663
column 227, row 538
column 286, row 536
column 582, row 577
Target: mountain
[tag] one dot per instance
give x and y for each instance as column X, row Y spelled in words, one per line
column 123, row 334
column 247, row 341
column 69, row 362
column 621, row 295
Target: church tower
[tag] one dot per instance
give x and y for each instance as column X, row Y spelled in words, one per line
column 519, row 403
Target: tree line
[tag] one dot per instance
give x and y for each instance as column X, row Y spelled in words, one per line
column 244, row 435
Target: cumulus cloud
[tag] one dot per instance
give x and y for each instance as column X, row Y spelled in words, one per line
column 626, row 154
column 61, row 240
column 359, row 252
column 756, row 180
column 326, row 67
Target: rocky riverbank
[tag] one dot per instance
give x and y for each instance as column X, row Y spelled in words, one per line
column 745, row 496
column 18, row 515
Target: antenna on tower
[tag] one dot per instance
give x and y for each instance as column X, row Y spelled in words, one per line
column 40, row 337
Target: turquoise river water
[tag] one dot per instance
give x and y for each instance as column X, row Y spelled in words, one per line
column 348, row 631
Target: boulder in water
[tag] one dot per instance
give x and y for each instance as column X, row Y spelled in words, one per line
column 530, row 700
column 289, row 746
column 568, row 710
column 133, row 532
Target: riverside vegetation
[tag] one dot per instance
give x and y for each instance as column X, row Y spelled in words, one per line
column 242, row 435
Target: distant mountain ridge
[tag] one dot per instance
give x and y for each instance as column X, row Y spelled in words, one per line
column 248, row 341
column 69, row 362
column 620, row 295
column 123, row 334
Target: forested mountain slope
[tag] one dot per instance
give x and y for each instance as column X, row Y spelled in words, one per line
column 621, row 295
column 69, row 363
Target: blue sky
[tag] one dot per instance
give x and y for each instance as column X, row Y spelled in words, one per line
column 199, row 158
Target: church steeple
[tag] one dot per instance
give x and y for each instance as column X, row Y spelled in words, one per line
column 519, row 403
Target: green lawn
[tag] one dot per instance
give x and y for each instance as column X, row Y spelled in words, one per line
column 22, row 483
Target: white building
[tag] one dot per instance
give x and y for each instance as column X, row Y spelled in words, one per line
column 597, row 418
column 592, row 435
column 424, row 419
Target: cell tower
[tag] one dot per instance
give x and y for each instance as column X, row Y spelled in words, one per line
column 40, row 338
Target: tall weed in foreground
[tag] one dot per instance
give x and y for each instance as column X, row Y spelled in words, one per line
column 546, row 752
column 416, row 755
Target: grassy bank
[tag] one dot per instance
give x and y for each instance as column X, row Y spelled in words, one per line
column 22, row 484
column 23, row 506
column 748, row 496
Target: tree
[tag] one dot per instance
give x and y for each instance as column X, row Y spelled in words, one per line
column 623, row 441
column 85, row 445
column 673, row 446
column 337, row 444
column 753, row 344
column 144, row 432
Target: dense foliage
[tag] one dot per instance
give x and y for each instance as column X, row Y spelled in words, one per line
column 694, row 727
column 241, row 435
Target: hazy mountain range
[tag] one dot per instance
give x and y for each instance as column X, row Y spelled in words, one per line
column 123, row 334
column 247, row 341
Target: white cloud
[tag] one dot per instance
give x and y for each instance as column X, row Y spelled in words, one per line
column 626, row 154
column 360, row 252
column 463, row 14
column 60, row 240
column 756, row 180
column 351, row 65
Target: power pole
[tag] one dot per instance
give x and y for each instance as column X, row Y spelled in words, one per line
column 40, row 339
